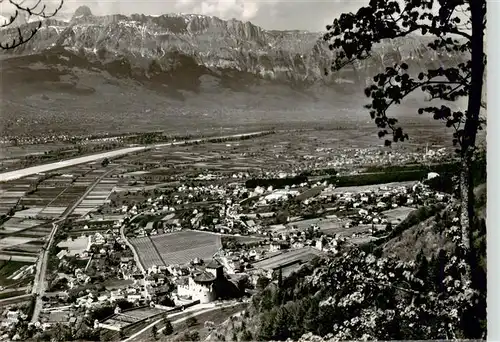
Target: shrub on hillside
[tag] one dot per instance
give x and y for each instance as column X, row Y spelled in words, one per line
column 357, row 295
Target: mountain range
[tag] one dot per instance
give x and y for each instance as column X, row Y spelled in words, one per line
column 187, row 65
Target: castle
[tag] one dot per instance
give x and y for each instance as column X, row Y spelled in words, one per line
column 201, row 283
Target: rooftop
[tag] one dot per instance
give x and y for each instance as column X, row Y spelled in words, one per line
column 203, row 277
column 213, row 264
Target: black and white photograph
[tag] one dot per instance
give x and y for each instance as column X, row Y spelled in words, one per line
column 245, row 170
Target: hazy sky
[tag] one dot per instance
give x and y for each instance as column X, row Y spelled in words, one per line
column 312, row 15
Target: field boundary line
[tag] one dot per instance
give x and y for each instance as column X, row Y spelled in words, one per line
column 157, row 251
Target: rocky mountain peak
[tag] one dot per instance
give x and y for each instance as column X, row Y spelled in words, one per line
column 166, row 42
column 82, row 12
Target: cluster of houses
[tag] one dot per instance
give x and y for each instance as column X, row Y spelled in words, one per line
column 352, row 157
column 11, row 316
column 198, row 280
column 131, row 294
column 106, row 256
column 348, row 158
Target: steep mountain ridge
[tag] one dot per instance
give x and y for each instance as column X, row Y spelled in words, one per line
column 296, row 57
column 112, row 72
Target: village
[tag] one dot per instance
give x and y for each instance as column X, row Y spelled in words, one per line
column 141, row 244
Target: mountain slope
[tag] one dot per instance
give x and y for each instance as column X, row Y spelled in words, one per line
column 177, row 65
column 156, row 42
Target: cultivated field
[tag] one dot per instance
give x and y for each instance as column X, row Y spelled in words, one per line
column 98, row 196
column 40, row 231
column 295, row 255
column 148, row 255
column 28, row 213
column 17, row 224
column 177, row 248
column 11, row 273
column 13, row 192
column 13, row 241
column 20, row 248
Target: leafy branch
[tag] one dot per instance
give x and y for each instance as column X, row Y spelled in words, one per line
column 393, row 85
column 353, row 35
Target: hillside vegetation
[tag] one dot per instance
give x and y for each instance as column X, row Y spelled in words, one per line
column 405, row 287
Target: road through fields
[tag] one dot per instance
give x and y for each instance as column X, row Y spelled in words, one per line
column 16, row 174
column 39, row 284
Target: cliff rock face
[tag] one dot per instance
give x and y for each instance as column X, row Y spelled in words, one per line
column 153, row 45
column 111, row 73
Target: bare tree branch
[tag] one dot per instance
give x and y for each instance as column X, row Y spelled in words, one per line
column 11, row 20
column 32, row 10
column 23, row 36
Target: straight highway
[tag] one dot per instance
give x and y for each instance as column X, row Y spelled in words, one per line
column 33, row 170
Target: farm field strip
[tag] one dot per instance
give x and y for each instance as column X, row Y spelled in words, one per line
column 10, row 241
column 304, row 254
column 19, row 258
column 97, row 197
column 53, row 210
column 24, row 249
column 82, row 184
column 82, row 211
column 147, row 252
column 32, row 245
column 34, row 233
column 9, row 200
column 16, row 224
column 14, row 252
column 176, row 248
column 15, row 194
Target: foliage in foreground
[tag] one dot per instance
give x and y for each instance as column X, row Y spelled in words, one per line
column 356, row 295
column 456, row 26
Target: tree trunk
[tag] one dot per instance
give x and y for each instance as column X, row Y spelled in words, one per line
column 478, row 12
column 466, row 204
